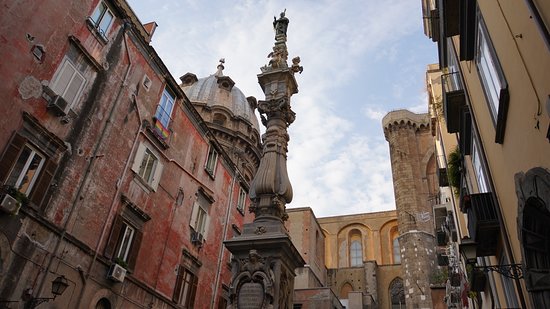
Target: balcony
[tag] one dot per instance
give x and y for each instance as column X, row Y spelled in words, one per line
column 454, row 99
column 483, row 223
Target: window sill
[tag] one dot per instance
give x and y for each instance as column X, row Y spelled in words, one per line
column 241, row 211
column 143, row 184
column 210, row 173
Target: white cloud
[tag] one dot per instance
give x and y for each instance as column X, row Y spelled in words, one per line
column 335, row 163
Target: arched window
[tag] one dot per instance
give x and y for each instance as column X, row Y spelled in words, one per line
column 397, row 294
column 344, row 291
column 103, row 303
column 356, row 253
column 219, row 119
column 396, row 251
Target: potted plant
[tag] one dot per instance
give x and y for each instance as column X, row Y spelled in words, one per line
column 454, row 169
column 439, row 276
column 121, row 262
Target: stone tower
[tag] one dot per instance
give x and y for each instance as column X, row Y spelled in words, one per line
column 415, row 188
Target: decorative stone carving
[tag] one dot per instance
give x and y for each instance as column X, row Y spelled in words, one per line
column 252, row 282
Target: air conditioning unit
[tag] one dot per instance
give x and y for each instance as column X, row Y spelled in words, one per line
column 197, row 238
column 9, row 204
column 116, row 273
column 58, row 105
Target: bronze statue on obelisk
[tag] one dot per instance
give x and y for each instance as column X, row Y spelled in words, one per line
column 264, row 258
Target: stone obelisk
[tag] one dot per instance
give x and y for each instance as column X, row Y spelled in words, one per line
column 264, row 258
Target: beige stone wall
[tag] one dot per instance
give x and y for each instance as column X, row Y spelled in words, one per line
column 307, row 236
column 375, row 229
column 385, row 274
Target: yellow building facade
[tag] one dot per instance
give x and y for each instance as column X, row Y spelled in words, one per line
column 493, row 101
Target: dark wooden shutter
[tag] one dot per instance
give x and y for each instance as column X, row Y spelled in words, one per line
column 179, row 283
column 40, row 190
column 134, row 249
column 192, row 293
column 118, row 224
column 10, row 155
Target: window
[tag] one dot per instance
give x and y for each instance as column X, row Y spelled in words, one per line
column 397, row 294
column 242, row 200
column 356, row 254
column 164, row 109
column 508, row 286
column 26, row 169
column 124, row 242
column 396, row 251
column 26, row 163
column 199, row 218
column 147, row 166
column 344, row 291
column 185, row 288
column 219, row 119
column 482, row 185
column 211, row 161
column 492, row 78
column 68, row 82
column 103, row 303
column 102, row 19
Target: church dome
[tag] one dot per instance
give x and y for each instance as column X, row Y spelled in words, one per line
column 218, row 91
column 229, row 114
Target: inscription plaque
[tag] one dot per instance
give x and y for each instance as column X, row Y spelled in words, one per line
column 251, row 296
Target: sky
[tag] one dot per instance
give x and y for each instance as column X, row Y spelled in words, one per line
column 361, row 59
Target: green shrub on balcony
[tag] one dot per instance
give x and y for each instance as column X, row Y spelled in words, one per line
column 454, row 166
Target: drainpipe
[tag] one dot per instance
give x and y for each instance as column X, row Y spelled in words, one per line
column 220, row 256
column 87, row 172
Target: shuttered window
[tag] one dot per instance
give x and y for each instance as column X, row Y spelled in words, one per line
column 124, row 242
column 242, row 199
column 68, row 82
column 147, row 166
column 211, row 161
column 26, row 168
column 185, row 288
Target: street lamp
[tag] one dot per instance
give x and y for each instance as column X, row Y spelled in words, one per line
column 59, row 285
column 468, row 250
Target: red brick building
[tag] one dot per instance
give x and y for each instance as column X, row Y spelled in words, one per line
column 113, row 179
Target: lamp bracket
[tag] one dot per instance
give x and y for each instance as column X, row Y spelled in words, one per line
column 513, row 271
